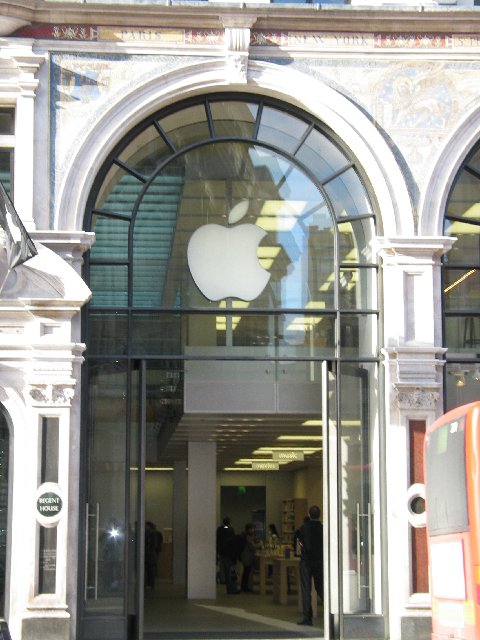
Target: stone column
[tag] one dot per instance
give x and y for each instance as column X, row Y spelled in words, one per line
column 202, row 482
column 27, row 64
column 412, row 325
column 179, row 522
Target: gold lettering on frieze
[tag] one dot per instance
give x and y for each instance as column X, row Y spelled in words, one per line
column 172, row 36
column 377, row 40
column 145, row 35
column 337, row 40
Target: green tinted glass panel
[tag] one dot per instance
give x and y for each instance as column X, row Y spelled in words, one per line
column 153, row 236
column 109, row 284
column 111, row 238
column 119, row 192
column 108, row 334
column 161, row 334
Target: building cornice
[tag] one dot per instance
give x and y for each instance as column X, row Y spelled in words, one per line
column 214, row 15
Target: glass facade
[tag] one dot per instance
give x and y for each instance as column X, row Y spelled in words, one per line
column 232, row 258
column 461, row 286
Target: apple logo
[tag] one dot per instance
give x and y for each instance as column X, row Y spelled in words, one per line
column 223, row 260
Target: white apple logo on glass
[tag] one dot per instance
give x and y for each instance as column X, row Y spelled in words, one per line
column 223, row 260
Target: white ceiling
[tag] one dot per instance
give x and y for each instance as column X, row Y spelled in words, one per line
column 236, row 435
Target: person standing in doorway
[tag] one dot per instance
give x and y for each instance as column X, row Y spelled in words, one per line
column 247, row 557
column 224, row 533
column 310, row 537
column 153, row 546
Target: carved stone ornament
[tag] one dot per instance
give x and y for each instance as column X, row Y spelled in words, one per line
column 52, row 394
column 236, row 67
column 417, row 398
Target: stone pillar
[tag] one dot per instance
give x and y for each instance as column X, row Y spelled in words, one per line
column 179, row 522
column 412, row 316
column 40, row 391
column 202, row 482
column 27, row 64
column 47, row 614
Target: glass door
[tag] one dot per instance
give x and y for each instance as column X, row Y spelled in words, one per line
column 330, row 525
column 350, row 498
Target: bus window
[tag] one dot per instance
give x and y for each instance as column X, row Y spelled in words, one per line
column 446, row 491
column 452, row 501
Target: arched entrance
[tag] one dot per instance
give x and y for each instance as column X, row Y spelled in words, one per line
column 234, row 317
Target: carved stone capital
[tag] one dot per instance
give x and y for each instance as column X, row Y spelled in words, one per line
column 56, row 395
column 422, row 398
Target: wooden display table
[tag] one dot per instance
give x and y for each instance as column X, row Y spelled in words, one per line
column 280, row 578
column 265, row 560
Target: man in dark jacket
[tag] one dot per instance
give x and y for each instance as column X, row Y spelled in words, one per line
column 310, row 536
column 231, row 553
column 224, row 532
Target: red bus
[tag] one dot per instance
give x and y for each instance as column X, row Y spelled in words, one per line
column 452, row 501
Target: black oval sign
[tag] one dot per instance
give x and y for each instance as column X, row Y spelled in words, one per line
column 49, row 504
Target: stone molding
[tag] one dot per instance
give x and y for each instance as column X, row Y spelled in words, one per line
column 412, row 250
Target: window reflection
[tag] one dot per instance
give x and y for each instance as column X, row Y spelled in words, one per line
column 140, row 257
column 232, row 118
column 461, row 275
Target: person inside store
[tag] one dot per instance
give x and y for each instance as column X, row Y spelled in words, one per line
column 239, row 548
column 273, row 537
column 310, row 537
column 153, row 546
column 247, row 557
column 224, row 532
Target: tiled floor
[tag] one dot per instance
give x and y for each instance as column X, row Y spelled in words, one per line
column 169, row 615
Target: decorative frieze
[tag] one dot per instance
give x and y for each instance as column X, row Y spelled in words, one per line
column 52, row 394
column 420, row 398
column 289, row 39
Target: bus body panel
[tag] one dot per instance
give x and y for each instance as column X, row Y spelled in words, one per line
column 452, row 485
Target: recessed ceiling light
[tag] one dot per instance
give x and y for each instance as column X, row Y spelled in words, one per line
column 306, row 438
